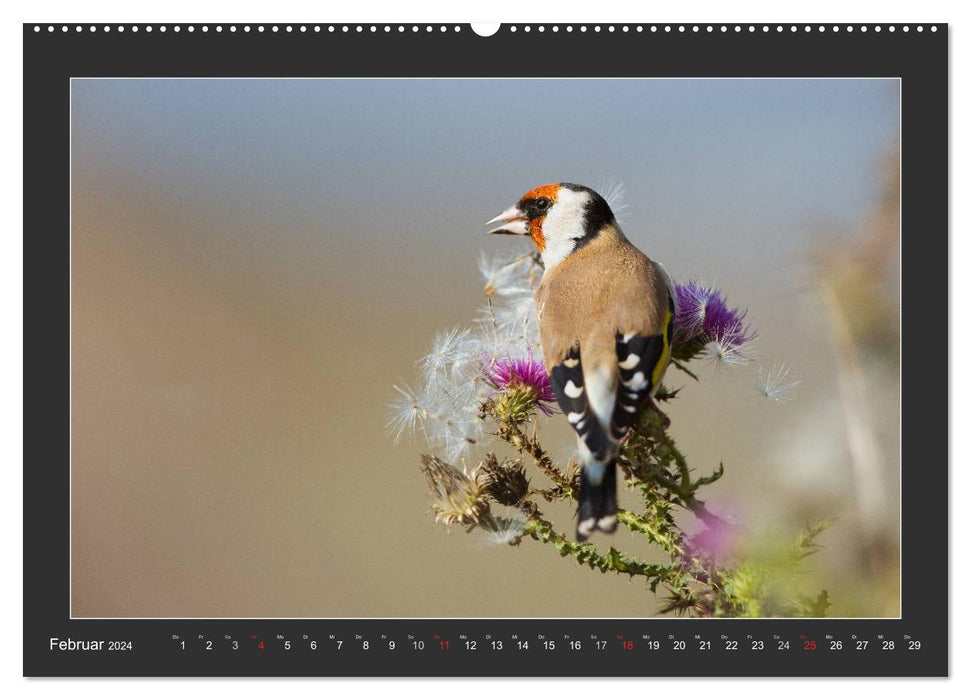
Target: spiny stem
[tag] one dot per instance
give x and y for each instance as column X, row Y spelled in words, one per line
column 636, row 523
column 542, row 530
column 511, row 432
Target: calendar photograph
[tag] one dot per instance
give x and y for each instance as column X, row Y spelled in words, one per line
column 490, row 348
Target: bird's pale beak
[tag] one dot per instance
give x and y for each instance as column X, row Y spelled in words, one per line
column 514, row 222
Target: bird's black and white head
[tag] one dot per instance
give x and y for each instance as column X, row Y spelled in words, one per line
column 560, row 218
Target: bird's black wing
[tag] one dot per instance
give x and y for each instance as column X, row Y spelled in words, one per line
column 571, row 395
column 641, row 363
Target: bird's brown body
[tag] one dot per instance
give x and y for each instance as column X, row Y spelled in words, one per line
column 606, row 288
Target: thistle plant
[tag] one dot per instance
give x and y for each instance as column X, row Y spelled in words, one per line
column 483, row 391
column 705, row 326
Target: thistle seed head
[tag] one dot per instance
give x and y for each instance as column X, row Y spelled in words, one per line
column 506, row 481
column 458, row 496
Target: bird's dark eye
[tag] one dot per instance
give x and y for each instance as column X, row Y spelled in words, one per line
column 542, row 204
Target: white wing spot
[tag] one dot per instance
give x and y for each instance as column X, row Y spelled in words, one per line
column 630, row 409
column 630, row 362
column 574, row 391
column 637, row 382
column 628, row 337
column 571, row 362
column 574, row 417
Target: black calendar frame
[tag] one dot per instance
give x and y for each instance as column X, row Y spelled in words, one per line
column 51, row 58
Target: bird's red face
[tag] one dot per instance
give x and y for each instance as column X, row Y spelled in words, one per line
column 527, row 216
column 560, row 218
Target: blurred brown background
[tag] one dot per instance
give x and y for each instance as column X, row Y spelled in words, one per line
column 255, row 263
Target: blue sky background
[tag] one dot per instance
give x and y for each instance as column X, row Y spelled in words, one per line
column 754, row 158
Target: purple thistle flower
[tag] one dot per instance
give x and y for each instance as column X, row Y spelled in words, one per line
column 704, row 318
column 718, row 541
column 524, row 374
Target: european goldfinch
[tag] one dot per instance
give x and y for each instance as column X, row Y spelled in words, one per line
column 605, row 321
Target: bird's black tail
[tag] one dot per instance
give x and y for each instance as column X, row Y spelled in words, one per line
column 598, row 502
